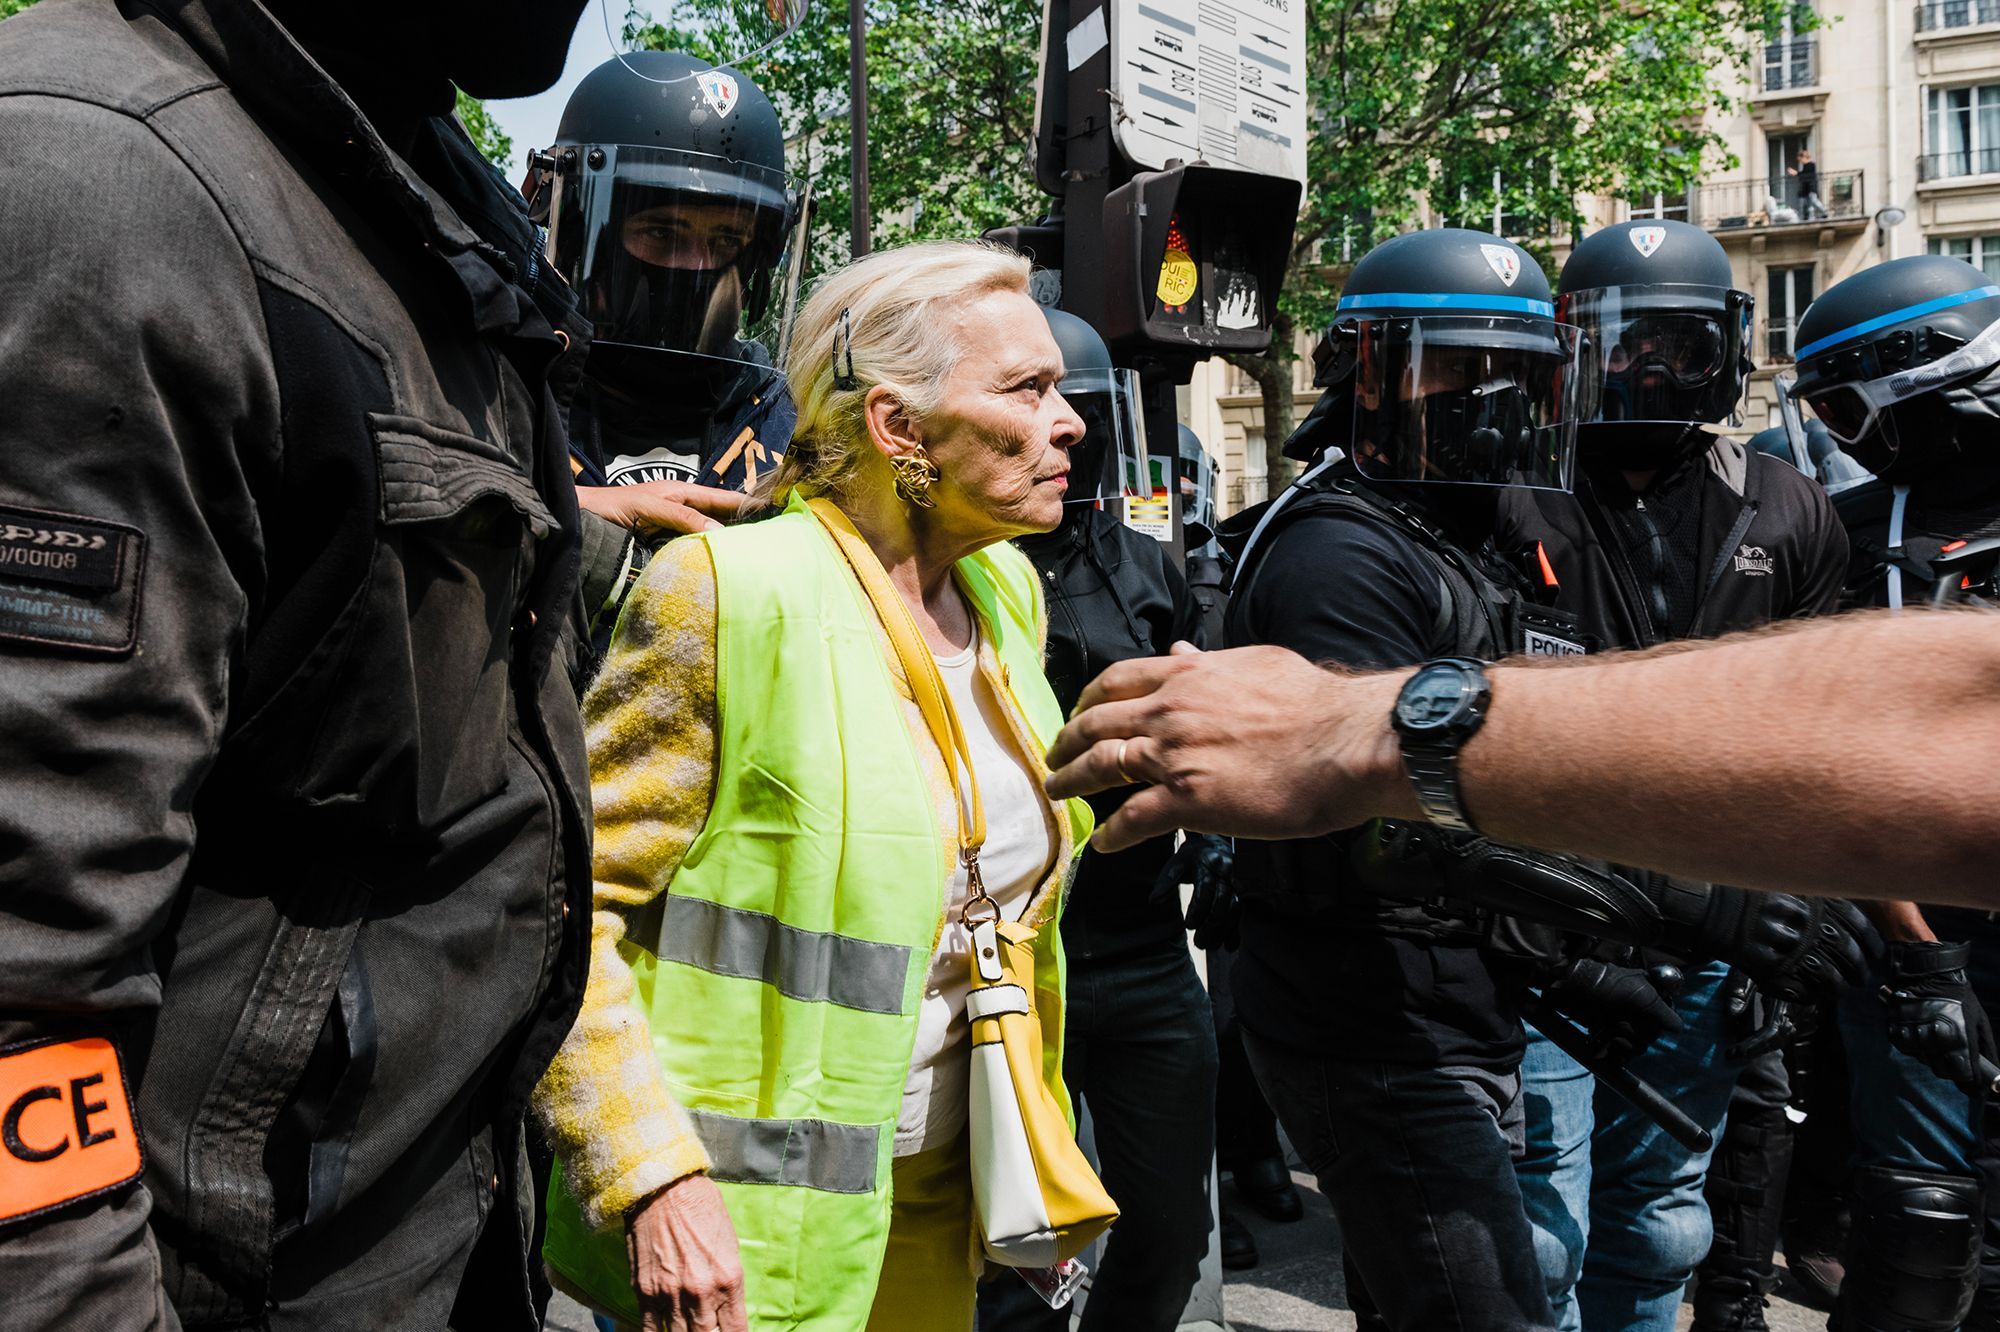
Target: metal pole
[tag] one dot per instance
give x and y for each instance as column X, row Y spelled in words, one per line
column 857, row 124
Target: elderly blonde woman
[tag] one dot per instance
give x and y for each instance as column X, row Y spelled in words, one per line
column 767, row 1087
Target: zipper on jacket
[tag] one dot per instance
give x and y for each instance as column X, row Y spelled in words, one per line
column 1721, row 565
column 1621, row 569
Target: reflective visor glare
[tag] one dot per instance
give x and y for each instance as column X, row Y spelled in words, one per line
column 1110, row 460
column 680, row 250
column 1466, row 400
column 1683, row 350
column 1660, row 353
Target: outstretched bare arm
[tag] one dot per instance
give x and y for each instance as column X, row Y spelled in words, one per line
column 1857, row 756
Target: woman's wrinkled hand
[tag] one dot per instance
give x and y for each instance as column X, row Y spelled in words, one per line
column 685, row 1266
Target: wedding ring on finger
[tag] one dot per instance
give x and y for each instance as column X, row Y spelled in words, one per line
column 1123, row 775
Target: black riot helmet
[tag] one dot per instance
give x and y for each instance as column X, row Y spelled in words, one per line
column 1446, row 358
column 1667, row 338
column 1898, row 362
column 671, row 215
column 1109, row 462
column 1200, row 479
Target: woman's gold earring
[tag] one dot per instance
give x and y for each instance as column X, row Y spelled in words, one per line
column 915, row 475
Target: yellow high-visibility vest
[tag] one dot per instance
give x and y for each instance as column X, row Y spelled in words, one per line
column 798, row 931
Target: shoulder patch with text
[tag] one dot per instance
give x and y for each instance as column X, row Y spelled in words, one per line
column 66, row 1130
column 67, row 581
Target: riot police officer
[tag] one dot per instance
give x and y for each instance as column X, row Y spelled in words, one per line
column 1675, row 530
column 295, row 813
column 670, row 213
column 1899, row 364
column 1383, row 1035
column 1140, row 1043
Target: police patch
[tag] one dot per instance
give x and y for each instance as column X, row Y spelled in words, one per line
column 1504, row 262
column 718, row 90
column 1647, row 239
column 67, row 581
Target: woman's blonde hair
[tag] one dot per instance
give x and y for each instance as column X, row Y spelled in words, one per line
column 890, row 312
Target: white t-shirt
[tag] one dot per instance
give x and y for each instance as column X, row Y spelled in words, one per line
column 1019, row 844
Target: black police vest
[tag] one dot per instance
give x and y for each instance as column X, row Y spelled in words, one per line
column 1479, row 616
column 1932, row 569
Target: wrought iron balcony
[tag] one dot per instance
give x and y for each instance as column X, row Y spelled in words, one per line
column 1764, row 202
column 1964, row 162
column 1790, row 63
column 1937, row 15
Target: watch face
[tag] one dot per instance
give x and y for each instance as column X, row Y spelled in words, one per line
column 1435, row 697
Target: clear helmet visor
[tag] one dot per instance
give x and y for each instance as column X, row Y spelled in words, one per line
column 678, row 252
column 1109, row 463
column 1657, row 359
column 1467, row 400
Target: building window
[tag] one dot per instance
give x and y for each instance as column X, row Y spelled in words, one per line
column 1964, row 129
column 1791, row 291
column 1979, row 251
column 1664, row 207
column 1789, row 57
column 1934, row 14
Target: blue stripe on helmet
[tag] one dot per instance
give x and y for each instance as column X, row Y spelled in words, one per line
column 1448, row 300
column 1896, row 317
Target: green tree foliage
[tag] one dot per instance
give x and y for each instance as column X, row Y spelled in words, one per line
column 485, row 132
column 951, row 105
column 1482, row 106
column 1476, row 106
column 9, row 8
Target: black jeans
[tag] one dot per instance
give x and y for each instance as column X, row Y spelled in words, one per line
column 1419, row 1166
column 1140, row 1052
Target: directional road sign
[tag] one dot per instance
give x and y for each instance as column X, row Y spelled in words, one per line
column 1218, row 81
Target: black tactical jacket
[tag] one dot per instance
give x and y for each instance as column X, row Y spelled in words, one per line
column 294, row 805
column 1769, row 547
column 1112, row 595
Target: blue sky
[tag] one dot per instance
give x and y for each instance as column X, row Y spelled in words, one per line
column 531, row 121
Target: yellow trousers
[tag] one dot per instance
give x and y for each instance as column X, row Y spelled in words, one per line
column 928, row 1280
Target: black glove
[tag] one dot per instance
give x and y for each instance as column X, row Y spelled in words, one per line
column 1213, row 912
column 1620, row 1006
column 1934, row 1018
column 1793, row 948
column 1761, row 1024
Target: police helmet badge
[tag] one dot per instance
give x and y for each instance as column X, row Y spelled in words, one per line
column 1647, row 239
column 718, row 90
column 1505, row 263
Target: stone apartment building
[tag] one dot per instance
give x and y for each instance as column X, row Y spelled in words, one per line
column 1898, row 102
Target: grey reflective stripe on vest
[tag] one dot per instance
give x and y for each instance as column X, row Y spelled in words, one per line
column 801, row 964
column 806, row 1153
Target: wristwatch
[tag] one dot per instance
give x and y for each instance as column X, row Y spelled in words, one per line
column 1438, row 710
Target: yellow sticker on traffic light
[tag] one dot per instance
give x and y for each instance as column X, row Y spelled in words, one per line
column 1178, row 273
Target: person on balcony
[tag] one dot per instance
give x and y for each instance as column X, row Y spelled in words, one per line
column 1810, row 204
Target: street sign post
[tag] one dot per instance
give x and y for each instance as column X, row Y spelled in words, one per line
column 1215, row 81
column 1173, row 135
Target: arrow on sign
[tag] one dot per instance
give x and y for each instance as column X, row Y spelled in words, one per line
column 1286, row 87
column 1162, row 119
column 1143, row 67
column 1268, row 41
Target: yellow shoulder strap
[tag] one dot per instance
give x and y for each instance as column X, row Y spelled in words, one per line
column 933, row 701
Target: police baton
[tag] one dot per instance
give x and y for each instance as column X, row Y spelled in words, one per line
column 1617, row 1077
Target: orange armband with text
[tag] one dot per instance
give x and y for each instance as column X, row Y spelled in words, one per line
column 66, row 1130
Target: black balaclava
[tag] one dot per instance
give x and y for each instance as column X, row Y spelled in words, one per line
column 399, row 58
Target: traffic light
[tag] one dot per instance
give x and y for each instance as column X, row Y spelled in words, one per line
column 1194, row 257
